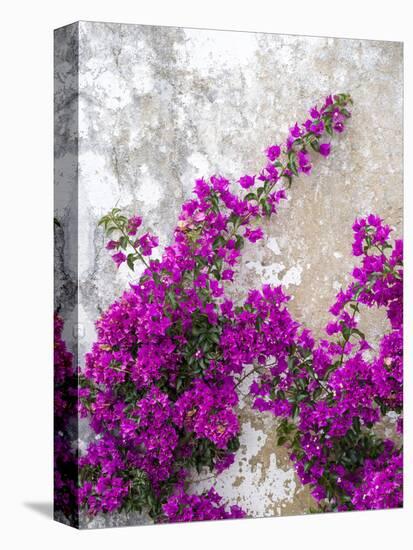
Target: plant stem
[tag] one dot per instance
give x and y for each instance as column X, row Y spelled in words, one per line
column 130, row 242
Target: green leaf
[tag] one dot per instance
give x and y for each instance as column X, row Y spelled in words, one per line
column 359, row 333
column 266, row 207
column 110, row 230
column 317, row 393
column 124, row 242
column 315, row 146
column 239, row 242
column 307, row 466
column 219, row 241
column 219, row 263
column 293, row 167
column 130, row 260
column 215, row 338
column 250, row 197
column 179, row 384
column 289, row 178
column 346, row 332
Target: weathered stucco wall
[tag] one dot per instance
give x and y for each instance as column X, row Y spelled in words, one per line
column 159, row 107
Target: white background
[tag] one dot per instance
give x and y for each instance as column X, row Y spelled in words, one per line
column 26, row 210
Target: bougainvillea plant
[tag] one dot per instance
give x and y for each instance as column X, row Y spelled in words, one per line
column 160, row 385
column 330, row 396
column 65, row 422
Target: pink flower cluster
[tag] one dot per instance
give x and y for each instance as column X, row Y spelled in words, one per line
column 331, row 395
column 160, row 383
column 65, row 423
column 183, row 507
column 207, row 410
column 382, row 481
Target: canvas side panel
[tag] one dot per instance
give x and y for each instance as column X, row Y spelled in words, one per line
column 66, row 326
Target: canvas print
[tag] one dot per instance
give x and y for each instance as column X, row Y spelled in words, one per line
column 228, row 275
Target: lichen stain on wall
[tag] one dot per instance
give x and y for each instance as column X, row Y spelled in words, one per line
column 160, row 107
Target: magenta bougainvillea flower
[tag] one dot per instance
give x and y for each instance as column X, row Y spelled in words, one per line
column 134, row 223
column 325, row 149
column 247, row 181
column 119, row 257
